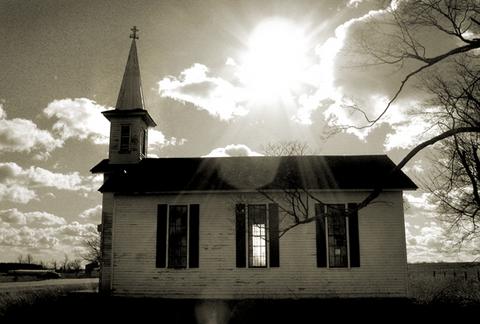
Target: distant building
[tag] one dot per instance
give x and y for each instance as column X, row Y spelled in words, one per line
column 200, row 228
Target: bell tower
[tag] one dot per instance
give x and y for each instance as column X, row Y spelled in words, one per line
column 129, row 121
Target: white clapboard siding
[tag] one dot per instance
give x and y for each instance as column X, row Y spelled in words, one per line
column 106, row 242
column 382, row 253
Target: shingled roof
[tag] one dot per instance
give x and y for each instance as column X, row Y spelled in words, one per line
column 253, row 173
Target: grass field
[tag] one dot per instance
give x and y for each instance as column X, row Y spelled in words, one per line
column 433, row 300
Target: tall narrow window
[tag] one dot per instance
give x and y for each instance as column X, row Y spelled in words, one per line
column 257, row 244
column 338, row 244
column 257, row 236
column 177, row 234
column 124, row 138
column 337, row 236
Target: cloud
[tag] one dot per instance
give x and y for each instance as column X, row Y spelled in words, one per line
column 409, row 133
column 44, row 235
column 12, row 173
column 17, row 184
column 79, row 118
column 232, row 150
column 217, row 96
column 428, row 239
column 16, row 193
column 23, row 135
column 92, row 214
column 347, row 88
column 333, row 93
column 82, row 119
column 354, row 3
column 157, row 141
column 33, row 219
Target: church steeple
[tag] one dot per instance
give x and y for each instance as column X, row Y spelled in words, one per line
column 129, row 121
column 131, row 94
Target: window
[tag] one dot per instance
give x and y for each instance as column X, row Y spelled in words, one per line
column 337, row 236
column 144, row 142
column 257, row 235
column 177, row 236
column 124, row 138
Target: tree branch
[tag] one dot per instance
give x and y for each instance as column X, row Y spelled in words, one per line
column 376, row 192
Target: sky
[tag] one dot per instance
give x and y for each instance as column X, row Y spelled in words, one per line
column 220, row 78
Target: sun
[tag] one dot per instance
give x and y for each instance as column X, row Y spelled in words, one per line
column 275, row 60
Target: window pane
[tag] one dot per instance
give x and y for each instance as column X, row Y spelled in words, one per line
column 125, row 138
column 177, row 237
column 337, row 236
column 257, row 237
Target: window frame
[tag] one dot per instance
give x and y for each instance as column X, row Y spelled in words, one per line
column 347, row 235
column 163, row 236
column 187, row 234
column 124, row 145
column 249, row 234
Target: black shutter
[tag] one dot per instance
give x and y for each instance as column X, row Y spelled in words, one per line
column 353, row 235
column 240, row 235
column 273, row 233
column 161, row 236
column 194, row 234
column 321, row 239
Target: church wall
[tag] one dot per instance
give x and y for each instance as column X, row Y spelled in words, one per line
column 382, row 253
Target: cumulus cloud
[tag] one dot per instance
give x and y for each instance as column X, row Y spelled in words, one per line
column 17, row 184
column 92, row 214
column 23, row 135
column 157, row 140
column 354, row 3
column 337, row 89
column 218, row 97
column 428, row 239
column 232, row 150
column 34, row 219
column 346, row 94
column 409, row 133
column 16, row 193
column 82, row 119
column 12, row 173
column 79, row 118
column 42, row 234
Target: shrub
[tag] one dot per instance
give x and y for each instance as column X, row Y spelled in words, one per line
column 428, row 290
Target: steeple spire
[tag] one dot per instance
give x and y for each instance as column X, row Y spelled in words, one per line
column 129, row 121
column 131, row 94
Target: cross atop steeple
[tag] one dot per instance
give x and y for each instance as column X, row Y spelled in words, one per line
column 134, row 32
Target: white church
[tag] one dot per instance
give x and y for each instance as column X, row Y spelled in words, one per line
column 204, row 227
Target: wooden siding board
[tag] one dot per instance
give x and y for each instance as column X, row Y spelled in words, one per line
column 380, row 274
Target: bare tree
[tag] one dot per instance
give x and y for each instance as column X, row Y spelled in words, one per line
column 54, row 265
column 65, row 263
column 455, row 183
column 400, row 38
column 29, row 259
column 286, row 148
column 93, row 253
column 75, row 265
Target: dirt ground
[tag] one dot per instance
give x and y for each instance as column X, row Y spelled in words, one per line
column 87, row 307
